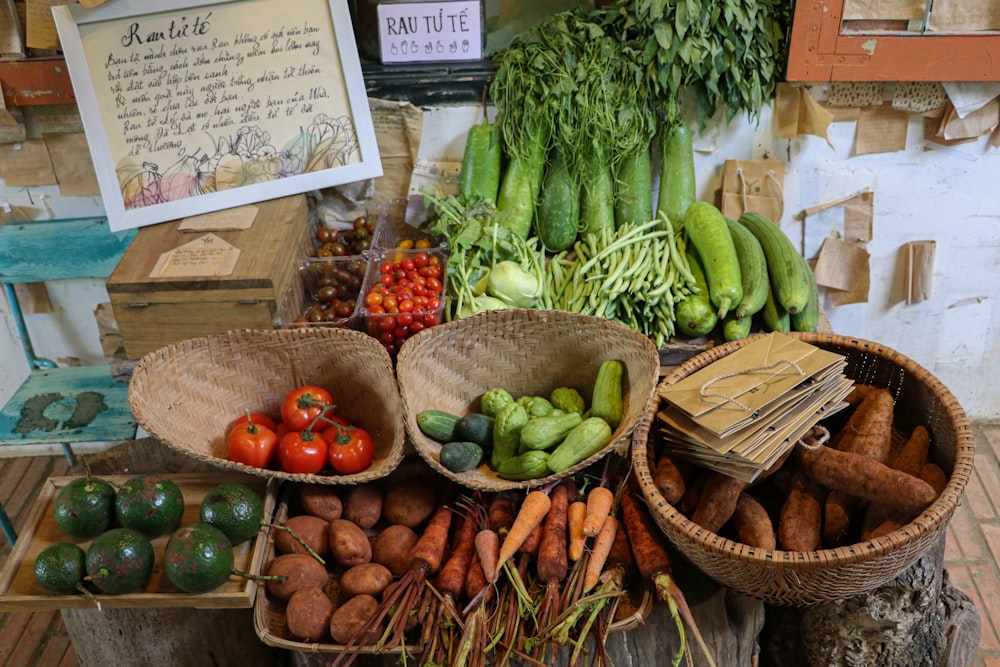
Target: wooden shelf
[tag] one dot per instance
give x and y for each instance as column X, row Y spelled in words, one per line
column 36, row 81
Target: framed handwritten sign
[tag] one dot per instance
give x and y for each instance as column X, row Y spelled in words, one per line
column 192, row 106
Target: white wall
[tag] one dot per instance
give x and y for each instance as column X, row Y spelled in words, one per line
column 948, row 195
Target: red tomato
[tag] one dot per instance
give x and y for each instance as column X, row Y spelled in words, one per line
column 351, row 451
column 251, row 445
column 302, row 452
column 303, row 404
column 258, row 418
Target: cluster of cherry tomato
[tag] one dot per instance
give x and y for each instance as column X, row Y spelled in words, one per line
column 338, row 243
column 332, row 288
column 309, row 436
column 406, row 298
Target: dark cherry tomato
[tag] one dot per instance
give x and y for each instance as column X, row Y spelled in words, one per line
column 351, row 451
column 252, row 445
column 303, row 452
column 303, row 404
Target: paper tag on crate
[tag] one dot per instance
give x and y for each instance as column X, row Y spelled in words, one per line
column 208, row 255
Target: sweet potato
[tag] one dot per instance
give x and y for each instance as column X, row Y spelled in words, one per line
column 800, row 522
column 348, row 543
column 348, row 619
column 689, row 502
column 363, row 505
column 321, row 500
column 364, row 579
column 308, row 613
column 881, row 520
column 840, row 512
column 310, row 529
column 752, row 523
column 866, row 478
column 391, row 547
column 933, row 475
column 410, row 502
column 717, row 500
column 869, row 430
column 669, row 479
column 299, row 571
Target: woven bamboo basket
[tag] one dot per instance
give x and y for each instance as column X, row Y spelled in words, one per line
column 185, row 394
column 527, row 352
column 806, row 578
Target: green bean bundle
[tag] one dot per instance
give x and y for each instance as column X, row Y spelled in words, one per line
column 635, row 276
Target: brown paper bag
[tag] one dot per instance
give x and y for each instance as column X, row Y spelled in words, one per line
column 753, row 186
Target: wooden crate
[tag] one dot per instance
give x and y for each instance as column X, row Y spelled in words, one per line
column 154, row 312
column 20, row 592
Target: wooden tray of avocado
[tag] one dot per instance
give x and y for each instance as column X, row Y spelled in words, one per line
column 20, row 592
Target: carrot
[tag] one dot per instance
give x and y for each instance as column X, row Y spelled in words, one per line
column 669, row 479
column 866, row 478
column 533, row 509
column 552, row 561
column 621, row 550
column 475, row 578
column 575, row 514
column 717, row 500
column 599, row 552
column 428, row 551
column 488, row 550
column 501, row 513
column 600, row 499
column 451, row 577
column 869, row 429
column 801, row 519
column 752, row 523
column 653, row 562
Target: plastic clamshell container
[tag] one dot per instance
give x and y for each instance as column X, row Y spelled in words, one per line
column 321, row 281
column 392, row 227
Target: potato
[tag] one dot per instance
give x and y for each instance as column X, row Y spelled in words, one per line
column 308, row 614
column 312, row 531
column 363, row 505
column 391, row 548
column 348, row 618
column 364, row 579
column 299, row 570
column 348, row 543
column 410, row 502
column 322, row 501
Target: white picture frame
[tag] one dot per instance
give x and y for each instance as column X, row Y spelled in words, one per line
column 193, row 106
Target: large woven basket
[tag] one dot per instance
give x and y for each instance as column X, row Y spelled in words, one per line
column 185, row 394
column 527, row 352
column 805, row 578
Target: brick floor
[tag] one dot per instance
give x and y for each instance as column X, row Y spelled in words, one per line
column 971, row 552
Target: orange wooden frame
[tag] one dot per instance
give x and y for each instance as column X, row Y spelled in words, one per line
column 822, row 50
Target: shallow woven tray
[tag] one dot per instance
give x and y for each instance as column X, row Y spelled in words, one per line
column 812, row 577
column 527, row 352
column 185, row 394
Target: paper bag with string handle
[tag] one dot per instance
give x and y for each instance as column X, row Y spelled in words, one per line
column 753, row 186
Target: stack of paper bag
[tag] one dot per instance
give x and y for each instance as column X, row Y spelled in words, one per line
column 741, row 413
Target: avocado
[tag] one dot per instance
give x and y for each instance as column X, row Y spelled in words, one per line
column 198, row 558
column 120, row 561
column 84, row 508
column 60, row 568
column 235, row 509
column 150, row 504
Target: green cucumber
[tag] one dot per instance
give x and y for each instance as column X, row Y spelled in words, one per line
column 807, row 319
column 607, row 400
column 438, row 424
column 707, row 230
column 480, row 171
column 459, row 456
column 597, row 210
column 774, row 316
column 634, row 189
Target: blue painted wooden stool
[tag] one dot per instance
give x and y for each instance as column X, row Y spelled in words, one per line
column 60, row 404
